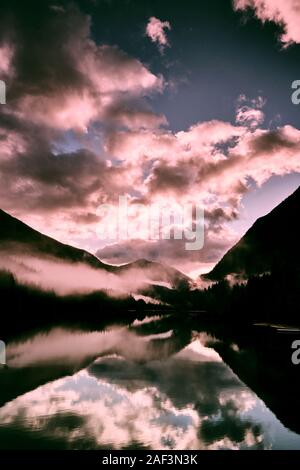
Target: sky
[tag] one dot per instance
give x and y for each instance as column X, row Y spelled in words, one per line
column 162, row 102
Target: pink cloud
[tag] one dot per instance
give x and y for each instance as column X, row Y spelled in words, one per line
column 155, row 30
column 209, row 164
column 169, row 146
column 6, row 57
column 85, row 83
column 82, row 82
column 113, row 71
column 249, row 116
column 249, row 112
column 133, row 118
column 65, row 111
column 285, row 13
column 107, row 74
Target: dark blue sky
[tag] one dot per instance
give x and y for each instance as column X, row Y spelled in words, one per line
column 216, row 54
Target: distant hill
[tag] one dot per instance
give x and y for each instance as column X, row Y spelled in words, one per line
column 17, row 236
column 273, row 242
column 157, row 272
column 14, row 234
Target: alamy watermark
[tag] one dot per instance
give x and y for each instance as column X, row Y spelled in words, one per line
column 152, row 222
column 2, row 92
column 296, row 354
column 295, row 97
column 2, row 353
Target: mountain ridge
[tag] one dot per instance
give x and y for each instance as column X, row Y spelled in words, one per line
column 271, row 243
column 17, row 235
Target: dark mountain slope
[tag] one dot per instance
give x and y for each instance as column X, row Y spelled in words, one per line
column 15, row 236
column 272, row 243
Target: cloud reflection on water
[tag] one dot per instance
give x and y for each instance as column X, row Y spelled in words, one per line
column 190, row 400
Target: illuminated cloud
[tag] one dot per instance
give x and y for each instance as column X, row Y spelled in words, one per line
column 156, row 31
column 286, row 13
column 120, row 399
column 6, row 56
column 79, row 131
column 78, row 83
column 249, row 112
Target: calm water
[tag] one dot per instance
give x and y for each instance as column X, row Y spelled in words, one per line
column 144, row 386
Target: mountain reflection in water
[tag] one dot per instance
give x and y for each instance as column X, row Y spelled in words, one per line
column 152, row 385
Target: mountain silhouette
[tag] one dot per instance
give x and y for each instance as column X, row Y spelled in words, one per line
column 273, row 242
column 17, row 237
column 158, row 272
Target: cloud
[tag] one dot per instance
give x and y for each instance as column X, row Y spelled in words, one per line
column 286, row 13
column 249, row 116
column 156, row 31
column 34, row 177
column 170, row 252
column 73, row 348
column 50, row 273
column 6, row 56
column 79, row 82
column 121, row 399
column 209, row 164
column 130, row 115
column 210, row 159
column 249, row 112
column 79, row 131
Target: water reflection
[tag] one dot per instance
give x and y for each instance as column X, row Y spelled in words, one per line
column 162, row 391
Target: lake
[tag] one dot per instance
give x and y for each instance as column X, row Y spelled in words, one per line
column 157, row 383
